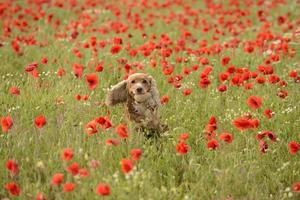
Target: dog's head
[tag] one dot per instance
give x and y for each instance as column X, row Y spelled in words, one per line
column 138, row 86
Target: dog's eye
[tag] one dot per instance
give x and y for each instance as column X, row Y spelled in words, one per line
column 144, row 81
column 133, row 81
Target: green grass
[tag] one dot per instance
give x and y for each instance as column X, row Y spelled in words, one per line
column 237, row 170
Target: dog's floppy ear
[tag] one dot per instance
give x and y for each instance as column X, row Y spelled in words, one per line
column 154, row 91
column 117, row 94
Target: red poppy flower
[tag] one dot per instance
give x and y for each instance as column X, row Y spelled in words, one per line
column 85, row 45
column 212, row 124
column 31, row 67
column 99, row 68
column 133, row 53
column 164, row 99
column 114, row 142
column 67, row 154
column 6, row 123
column 126, row 165
column 271, row 135
column 281, row 20
column 226, row 137
column 293, row 74
column 254, row 102
column 212, row 144
column 104, row 122
column 283, row 83
column 224, row 76
column 168, row 70
column 103, row 189
column 206, row 71
column 171, row 79
column 231, row 69
column 16, row 47
column 195, row 67
column 210, row 135
column 294, row 147
column 83, row 172
column 93, row 40
column 204, row 61
column 263, row 146
column 40, row 121
column 268, row 113
column 177, row 84
column 204, row 82
column 260, row 80
column 244, row 123
column 273, row 79
column 91, row 127
column 296, row 187
column 135, row 154
column 237, row 80
column 187, row 91
column 34, row 73
column 248, row 86
column 77, row 53
column 77, row 70
column 178, row 77
column 115, row 49
column 222, row 88
column 102, row 43
column 184, row 136
column 182, row 148
column 225, row 60
column 282, row 94
column 12, row 166
column 122, row 131
column 61, row 72
column 186, row 71
column 69, row 187
column 266, row 70
column 44, row 60
column 14, row 90
column 255, row 123
column 57, row 179
column 117, row 40
column 73, row 168
column 13, row 188
column 107, row 124
column 260, row 135
column 77, row 97
column 92, row 80
column 40, row 196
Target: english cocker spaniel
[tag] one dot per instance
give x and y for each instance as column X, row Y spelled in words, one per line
column 141, row 96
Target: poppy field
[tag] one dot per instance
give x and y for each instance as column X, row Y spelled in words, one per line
column 228, row 74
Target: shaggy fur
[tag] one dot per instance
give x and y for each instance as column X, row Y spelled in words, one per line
column 141, row 96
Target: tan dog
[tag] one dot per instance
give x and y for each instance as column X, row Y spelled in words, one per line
column 140, row 94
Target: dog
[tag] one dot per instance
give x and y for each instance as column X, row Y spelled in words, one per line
column 141, row 97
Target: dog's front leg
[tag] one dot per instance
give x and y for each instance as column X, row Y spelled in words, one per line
column 156, row 124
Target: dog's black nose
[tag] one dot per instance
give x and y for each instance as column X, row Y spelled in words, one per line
column 139, row 90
